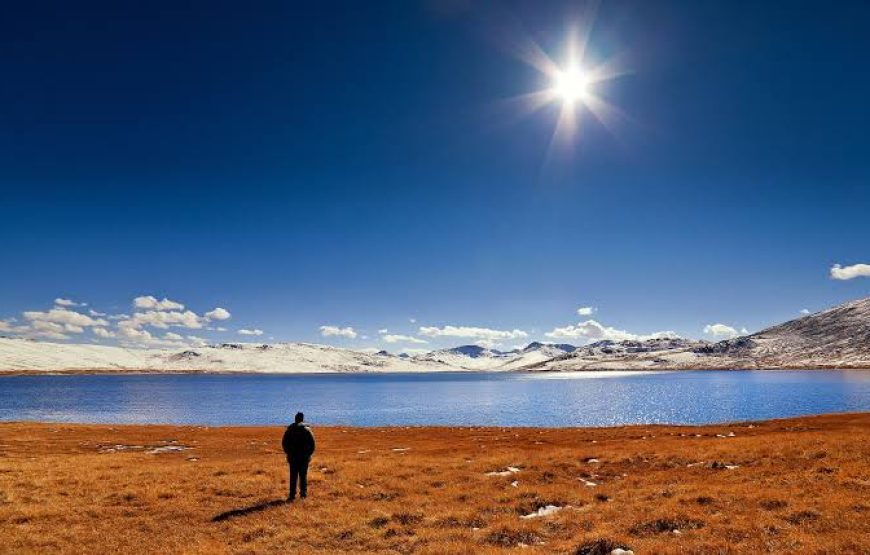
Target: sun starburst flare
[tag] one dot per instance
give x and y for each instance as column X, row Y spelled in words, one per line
column 575, row 85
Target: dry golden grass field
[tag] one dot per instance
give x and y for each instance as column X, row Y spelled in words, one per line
column 784, row 486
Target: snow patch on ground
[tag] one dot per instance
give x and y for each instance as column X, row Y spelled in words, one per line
column 544, row 511
column 506, row 472
column 168, row 449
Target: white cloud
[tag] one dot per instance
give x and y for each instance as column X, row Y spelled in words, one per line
column 850, row 272
column 218, row 314
column 51, row 330
column 805, row 311
column 144, row 337
column 197, row 341
column 472, row 332
column 64, row 316
column 150, row 302
column 383, row 331
column 368, row 350
column 328, row 331
column 412, row 320
column 397, row 338
column 164, row 319
column 487, row 343
column 104, row 333
column 721, row 330
column 161, row 314
column 586, row 310
column 250, row 332
column 592, row 330
column 39, row 328
column 128, row 331
column 61, row 321
column 68, row 302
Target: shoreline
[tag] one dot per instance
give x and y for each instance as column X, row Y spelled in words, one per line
column 792, row 485
column 441, row 427
column 175, row 372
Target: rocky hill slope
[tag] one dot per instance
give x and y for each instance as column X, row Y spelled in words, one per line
column 835, row 338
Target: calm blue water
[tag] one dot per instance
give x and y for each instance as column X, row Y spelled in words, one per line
column 576, row 399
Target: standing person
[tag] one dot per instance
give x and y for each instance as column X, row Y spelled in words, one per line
column 298, row 444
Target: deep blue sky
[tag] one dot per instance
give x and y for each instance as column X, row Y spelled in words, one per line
column 354, row 164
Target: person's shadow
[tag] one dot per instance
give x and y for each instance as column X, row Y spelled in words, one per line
column 249, row 510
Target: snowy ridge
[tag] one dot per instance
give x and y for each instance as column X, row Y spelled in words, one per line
column 837, row 337
column 474, row 357
column 18, row 355
column 24, row 355
column 834, row 338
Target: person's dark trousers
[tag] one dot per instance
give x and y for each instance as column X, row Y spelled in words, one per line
column 298, row 471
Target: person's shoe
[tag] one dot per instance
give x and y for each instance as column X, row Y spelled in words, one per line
column 303, row 495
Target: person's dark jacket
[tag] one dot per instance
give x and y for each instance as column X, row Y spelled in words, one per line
column 298, row 442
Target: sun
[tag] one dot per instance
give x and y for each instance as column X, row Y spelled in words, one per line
column 576, row 84
column 571, row 85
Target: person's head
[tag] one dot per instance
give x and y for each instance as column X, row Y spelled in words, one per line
column 299, row 417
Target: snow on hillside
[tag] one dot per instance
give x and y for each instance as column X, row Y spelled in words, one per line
column 19, row 355
column 651, row 354
column 26, row 355
column 468, row 357
column 473, row 357
column 835, row 338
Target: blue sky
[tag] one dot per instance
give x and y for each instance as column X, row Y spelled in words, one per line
column 361, row 166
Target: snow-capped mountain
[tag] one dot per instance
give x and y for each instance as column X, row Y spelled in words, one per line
column 660, row 353
column 23, row 355
column 26, row 355
column 835, row 338
column 555, row 349
column 467, row 357
column 475, row 357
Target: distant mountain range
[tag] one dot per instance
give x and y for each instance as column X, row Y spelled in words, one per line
column 835, row 338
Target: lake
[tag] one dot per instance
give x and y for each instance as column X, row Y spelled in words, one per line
column 468, row 398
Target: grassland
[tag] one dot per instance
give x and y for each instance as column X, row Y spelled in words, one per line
column 784, row 486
